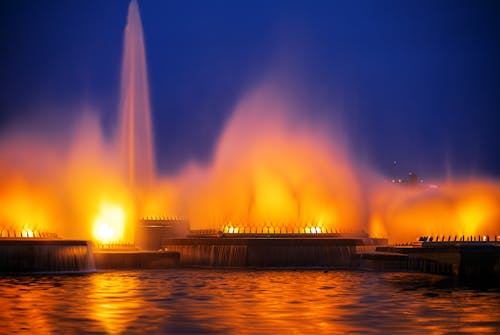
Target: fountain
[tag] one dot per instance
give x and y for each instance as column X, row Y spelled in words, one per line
column 136, row 151
column 32, row 252
column 136, row 140
column 278, row 191
column 45, row 255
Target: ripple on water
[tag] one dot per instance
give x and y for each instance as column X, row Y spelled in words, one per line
column 245, row 302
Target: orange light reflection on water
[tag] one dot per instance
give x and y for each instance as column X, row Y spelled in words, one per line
column 244, row 302
column 116, row 303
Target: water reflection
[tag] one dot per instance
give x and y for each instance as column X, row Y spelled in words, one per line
column 114, row 301
column 245, row 302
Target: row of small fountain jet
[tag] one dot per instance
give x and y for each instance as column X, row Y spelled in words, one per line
column 26, row 233
column 457, row 238
column 278, row 230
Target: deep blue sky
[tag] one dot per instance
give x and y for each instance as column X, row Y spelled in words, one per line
column 414, row 81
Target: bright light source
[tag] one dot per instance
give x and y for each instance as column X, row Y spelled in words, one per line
column 109, row 224
column 27, row 233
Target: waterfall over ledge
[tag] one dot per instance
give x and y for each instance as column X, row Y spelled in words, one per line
column 45, row 256
column 265, row 252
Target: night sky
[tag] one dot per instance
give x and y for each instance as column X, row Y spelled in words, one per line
column 412, row 81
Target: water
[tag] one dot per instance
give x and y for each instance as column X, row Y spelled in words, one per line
column 201, row 301
column 136, row 139
column 262, row 253
column 29, row 255
column 212, row 255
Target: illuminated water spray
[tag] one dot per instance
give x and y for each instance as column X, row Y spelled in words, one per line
column 273, row 171
column 136, row 139
column 135, row 136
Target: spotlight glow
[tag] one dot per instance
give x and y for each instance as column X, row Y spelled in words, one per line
column 27, row 233
column 109, row 224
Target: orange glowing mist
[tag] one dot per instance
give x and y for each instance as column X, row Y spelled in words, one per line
column 49, row 187
column 77, row 184
column 90, row 187
column 458, row 208
column 271, row 171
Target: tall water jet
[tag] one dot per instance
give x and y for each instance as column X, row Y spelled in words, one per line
column 136, row 140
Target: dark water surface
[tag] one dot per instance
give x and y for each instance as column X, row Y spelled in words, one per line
column 202, row 301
